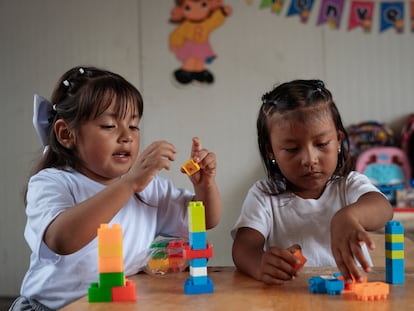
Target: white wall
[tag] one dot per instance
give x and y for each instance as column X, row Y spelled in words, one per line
column 370, row 75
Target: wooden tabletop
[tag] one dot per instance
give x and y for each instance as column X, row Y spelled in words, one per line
column 236, row 291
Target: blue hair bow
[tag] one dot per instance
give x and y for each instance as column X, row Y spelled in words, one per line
column 42, row 113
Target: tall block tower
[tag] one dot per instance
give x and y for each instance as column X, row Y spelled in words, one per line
column 394, row 252
column 197, row 251
column 112, row 286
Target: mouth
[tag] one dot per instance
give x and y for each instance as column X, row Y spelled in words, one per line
column 122, row 154
column 313, row 175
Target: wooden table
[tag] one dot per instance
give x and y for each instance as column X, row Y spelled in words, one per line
column 236, row 291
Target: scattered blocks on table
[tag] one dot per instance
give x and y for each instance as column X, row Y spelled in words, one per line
column 190, row 167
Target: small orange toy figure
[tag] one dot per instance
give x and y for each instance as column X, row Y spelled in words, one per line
column 190, row 40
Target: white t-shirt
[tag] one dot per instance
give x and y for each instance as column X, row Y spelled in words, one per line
column 287, row 219
column 55, row 280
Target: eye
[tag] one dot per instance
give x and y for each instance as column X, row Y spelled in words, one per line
column 134, row 127
column 291, row 150
column 187, row 8
column 107, row 126
column 323, row 144
column 204, row 4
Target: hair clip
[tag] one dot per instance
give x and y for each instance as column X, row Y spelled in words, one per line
column 320, row 83
column 81, row 70
column 66, row 83
column 42, row 113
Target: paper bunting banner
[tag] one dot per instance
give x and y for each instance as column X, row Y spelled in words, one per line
column 301, row 8
column 361, row 12
column 392, row 15
column 331, row 13
column 360, row 15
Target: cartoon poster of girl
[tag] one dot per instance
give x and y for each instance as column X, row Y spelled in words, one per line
column 189, row 41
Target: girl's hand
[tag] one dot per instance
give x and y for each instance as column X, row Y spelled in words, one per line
column 347, row 237
column 207, row 162
column 154, row 158
column 277, row 265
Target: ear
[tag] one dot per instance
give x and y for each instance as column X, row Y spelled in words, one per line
column 341, row 136
column 63, row 134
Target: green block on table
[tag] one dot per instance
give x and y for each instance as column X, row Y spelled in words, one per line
column 99, row 294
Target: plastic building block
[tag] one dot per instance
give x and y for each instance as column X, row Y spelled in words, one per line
column 334, row 286
column 112, row 284
column 124, row 293
column 190, row 288
column 190, row 167
column 189, row 253
column 371, row 291
column 298, row 255
column 196, row 217
column 99, row 294
column 197, row 252
column 394, row 252
column 317, row 285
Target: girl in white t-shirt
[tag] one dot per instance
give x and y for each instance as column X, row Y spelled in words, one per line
column 311, row 198
column 91, row 173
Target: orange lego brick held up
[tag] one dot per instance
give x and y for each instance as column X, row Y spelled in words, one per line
column 190, row 167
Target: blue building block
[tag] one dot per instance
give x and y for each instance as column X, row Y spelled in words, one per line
column 394, row 246
column 394, row 271
column 317, row 285
column 334, row 286
column 192, row 289
column 198, row 240
column 198, row 262
column 394, row 227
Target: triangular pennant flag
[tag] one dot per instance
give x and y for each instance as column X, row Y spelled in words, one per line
column 301, row 8
column 331, row 13
column 278, row 6
column 392, row 15
column 266, row 4
column 360, row 15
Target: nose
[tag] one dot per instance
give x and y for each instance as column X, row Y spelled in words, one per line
column 309, row 156
column 125, row 135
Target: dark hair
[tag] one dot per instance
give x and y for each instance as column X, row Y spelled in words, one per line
column 81, row 94
column 288, row 97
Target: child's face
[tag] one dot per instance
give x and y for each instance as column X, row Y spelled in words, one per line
column 107, row 145
column 305, row 149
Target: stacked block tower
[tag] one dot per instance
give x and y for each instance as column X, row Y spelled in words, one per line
column 394, row 252
column 112, row 286
column 197, row 251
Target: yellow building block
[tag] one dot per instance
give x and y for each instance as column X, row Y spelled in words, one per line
column 394, row 254
column 394, row 238
column 110, row 250
column 190, row 167
column 196, row 217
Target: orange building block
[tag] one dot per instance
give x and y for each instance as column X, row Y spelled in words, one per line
column 298, row 255
column 110, row 264
column 190, row 167
column 110, row 235
column 371, row 291
column 124, row 293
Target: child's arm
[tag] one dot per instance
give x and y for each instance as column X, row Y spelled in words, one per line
column 349, row 228
column 205, row 186
column 78, row 225
column 274, row 266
